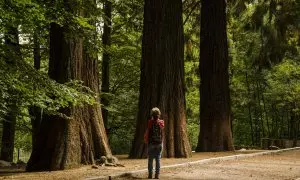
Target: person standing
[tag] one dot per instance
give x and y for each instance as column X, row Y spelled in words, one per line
column 154, row 138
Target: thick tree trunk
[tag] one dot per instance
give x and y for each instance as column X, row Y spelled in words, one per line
column 36, row 118
column 64, row 143
column 106, row 59
column 162, row 78
column 215, row 133
column 35, row 112
column 12, row 56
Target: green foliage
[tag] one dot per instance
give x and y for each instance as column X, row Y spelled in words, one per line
column 273, row 20
column 193, row 133
column 284, row 85
column 264, row 64
column 263, row 37
column 32, row 88
column 192, row 101
column 125, row 56
column 20, row 83
column 191, row 66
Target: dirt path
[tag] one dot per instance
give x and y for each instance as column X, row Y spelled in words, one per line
column 280, row 166
column 287, row 164
column 87, row 171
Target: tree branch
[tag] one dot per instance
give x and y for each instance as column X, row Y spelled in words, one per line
column 193, row 8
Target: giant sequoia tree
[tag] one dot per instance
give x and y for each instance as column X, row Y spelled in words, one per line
column 162, row 77
column 215, row 130
column 61, row 142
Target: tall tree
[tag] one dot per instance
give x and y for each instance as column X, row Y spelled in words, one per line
column 12, row 56
column 106, row 40
column 35, row 112
column 162, row 77
column 66, row 142
column 215, row 133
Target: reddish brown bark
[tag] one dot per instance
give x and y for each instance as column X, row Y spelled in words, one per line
column 63, row 143
column 162, row 77
column 215, row 131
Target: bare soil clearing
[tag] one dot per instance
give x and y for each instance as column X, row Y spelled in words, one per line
column 138, row 164
column 285, row 165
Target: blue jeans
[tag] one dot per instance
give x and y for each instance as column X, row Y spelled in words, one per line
column 154, row 152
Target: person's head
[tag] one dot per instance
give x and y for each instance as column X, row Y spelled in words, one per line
column 155, row 113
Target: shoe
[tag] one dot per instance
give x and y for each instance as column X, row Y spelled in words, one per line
column 156, row 176
column 150, row 176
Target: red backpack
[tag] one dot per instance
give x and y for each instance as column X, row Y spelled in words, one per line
column 155, row 133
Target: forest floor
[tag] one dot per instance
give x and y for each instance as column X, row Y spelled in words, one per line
column 86, row 172
column 279, row 166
